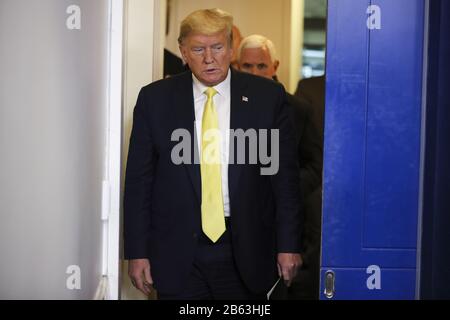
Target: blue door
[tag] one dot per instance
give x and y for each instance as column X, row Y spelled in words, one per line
column 372, row 149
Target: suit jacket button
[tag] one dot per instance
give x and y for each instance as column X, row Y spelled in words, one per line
column 195, row 235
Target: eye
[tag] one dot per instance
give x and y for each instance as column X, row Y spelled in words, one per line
column 247, row 66
column 217, row 47
column 262, row 66
column 197, row 50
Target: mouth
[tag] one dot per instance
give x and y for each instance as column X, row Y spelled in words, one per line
column 211, row 71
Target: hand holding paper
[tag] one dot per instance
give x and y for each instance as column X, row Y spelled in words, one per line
column 288, row 264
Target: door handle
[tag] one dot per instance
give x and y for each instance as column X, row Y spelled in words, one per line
column 329, row 284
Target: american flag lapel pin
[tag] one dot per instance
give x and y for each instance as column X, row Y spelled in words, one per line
column 244, row 98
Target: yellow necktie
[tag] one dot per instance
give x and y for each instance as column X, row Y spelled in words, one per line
column 213, row 220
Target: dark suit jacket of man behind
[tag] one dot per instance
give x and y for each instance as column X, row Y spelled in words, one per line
column 312, row 90
column 162, row 200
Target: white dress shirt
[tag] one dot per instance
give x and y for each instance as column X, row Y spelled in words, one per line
column 222, row 102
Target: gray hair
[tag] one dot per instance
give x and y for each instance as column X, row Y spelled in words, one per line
column 256, row 41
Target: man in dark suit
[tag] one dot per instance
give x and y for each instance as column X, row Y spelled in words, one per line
column 257, row 55
column 172, row 64
column 312, row 90
column 218, row 229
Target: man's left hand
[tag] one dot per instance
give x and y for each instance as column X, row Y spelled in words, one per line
column 288, row 265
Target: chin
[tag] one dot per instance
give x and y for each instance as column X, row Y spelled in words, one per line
column 214, row 80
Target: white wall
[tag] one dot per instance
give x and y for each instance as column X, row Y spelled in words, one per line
column 53, row 117
column 271, row 18
column 142, row 49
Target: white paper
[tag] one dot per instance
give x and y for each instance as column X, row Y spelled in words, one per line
column 273, row 288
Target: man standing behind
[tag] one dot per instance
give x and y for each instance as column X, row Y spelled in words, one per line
column 219, row 229
column 257, row 55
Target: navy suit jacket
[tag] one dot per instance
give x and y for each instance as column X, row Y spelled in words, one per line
column 162, row 200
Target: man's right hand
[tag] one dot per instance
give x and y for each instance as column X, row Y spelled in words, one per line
column 139, row 273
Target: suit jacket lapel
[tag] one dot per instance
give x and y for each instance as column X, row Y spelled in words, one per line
column 185, row 114
column 238, row 120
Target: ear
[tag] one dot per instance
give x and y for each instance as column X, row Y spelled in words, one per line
column 231, row 52
column 183, row 52
column 276, row 64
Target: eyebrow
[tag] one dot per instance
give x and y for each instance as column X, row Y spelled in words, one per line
column 204, row 45
column 255, row 64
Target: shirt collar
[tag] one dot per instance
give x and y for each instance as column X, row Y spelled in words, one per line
column 222, row 88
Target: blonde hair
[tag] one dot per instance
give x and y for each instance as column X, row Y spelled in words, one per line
column 256, row 41
column 208, row 22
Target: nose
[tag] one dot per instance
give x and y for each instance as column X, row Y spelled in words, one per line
column 208, row 57
column 253, row 70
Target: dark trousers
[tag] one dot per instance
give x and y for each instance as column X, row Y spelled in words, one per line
column 214, row 275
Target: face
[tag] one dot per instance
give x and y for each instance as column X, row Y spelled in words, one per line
column 257, row 61
column 208, row 57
